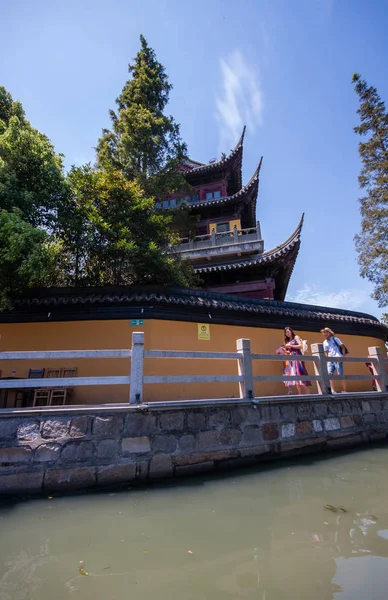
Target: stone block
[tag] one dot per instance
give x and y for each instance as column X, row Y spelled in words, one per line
column 108, row 426
column 269, row 413
column 164, row 443
column 300, row 444
column 346, row 406
column 194, row 469
column 135, row 445
column 375, row 405
column 355, row 405
column 344, row 442
column 230, row 436
column 8, row 428
column 370, row 419
column 253, row 416
column 219, row 418
column 288, row 430
column 347, row 421
column 320, row 409
column 108, row 448
column 335, row 408
column 142, row 470
column 304, row 427
column 365, row 406
column 116, row 474
column 196, row 420
column 255, row 450
column 357, row 419
column 208, row 439
column 77, row 451
column 187, row 443
column 79, row 426
column 317, row 426
column 251, row 435
column 305, row 409
column 269, row 431
column 21, row 483
column 55, row 428
column 238, row 415
column 377, row 436
column 140, row 424
column 160, row 466
column 202, row 457
column 15, row 455
column 288, row 412
column 332, row 423
column 28, row 431
column 77, row 478
column 171, row 421
column 47, row 453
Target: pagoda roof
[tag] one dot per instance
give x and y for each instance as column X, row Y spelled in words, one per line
column 232, row 162
column 247, row 193
column 281, row 259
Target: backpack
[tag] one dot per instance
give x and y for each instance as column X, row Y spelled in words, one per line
column 343, row 349
column 305, row 346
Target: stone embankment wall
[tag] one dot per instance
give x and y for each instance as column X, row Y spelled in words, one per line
column 81, row 448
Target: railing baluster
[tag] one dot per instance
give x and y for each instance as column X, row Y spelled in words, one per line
column 137, row 362
column 379, row 368
column 245, row 369
column 320, row 368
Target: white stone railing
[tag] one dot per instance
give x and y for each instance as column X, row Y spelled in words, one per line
column 243, row 355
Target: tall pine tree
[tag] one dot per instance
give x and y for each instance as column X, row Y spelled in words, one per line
column 144, row 143
column 372, row 241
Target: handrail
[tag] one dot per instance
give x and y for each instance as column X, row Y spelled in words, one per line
column 58, row 354
column 243, row 355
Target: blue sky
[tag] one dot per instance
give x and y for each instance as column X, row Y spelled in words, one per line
column 282, row 68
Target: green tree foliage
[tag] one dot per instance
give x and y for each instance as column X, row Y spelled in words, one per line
column 27, row 257
column 144, row 143
column 372, row 241
column 31, row 173
column 118, row 237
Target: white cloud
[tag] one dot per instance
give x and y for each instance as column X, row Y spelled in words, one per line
column 241, row 100
column 351, row 299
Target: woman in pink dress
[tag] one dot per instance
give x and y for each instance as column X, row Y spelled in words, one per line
column 294, row 344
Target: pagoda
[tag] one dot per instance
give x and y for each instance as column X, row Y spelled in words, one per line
column 227, row 251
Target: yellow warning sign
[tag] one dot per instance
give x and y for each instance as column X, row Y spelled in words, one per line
column 203, row 331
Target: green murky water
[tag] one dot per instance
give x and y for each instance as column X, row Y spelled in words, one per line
column 259, row 534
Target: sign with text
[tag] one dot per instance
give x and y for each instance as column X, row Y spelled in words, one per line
column 203, row 331
column 137, row 322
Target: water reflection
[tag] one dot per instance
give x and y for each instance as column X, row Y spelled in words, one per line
column 261, row 534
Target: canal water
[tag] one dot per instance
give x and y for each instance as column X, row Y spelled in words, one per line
column 261, row 534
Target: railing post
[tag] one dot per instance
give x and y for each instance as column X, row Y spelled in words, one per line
column 320, row 369
column 379, row 368
column 137, row 360
column 258, row 230
column 213, row 237
column 245, row 369
column 235, row 235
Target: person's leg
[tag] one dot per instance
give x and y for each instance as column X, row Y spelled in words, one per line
column 331, row 369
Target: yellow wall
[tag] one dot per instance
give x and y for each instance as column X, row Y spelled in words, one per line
column 236, row 222
column 161, row 335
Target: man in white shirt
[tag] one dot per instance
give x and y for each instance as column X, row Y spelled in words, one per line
column 334, row 348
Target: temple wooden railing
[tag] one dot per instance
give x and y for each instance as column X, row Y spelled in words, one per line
column 243, row 356
column 213, row 239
